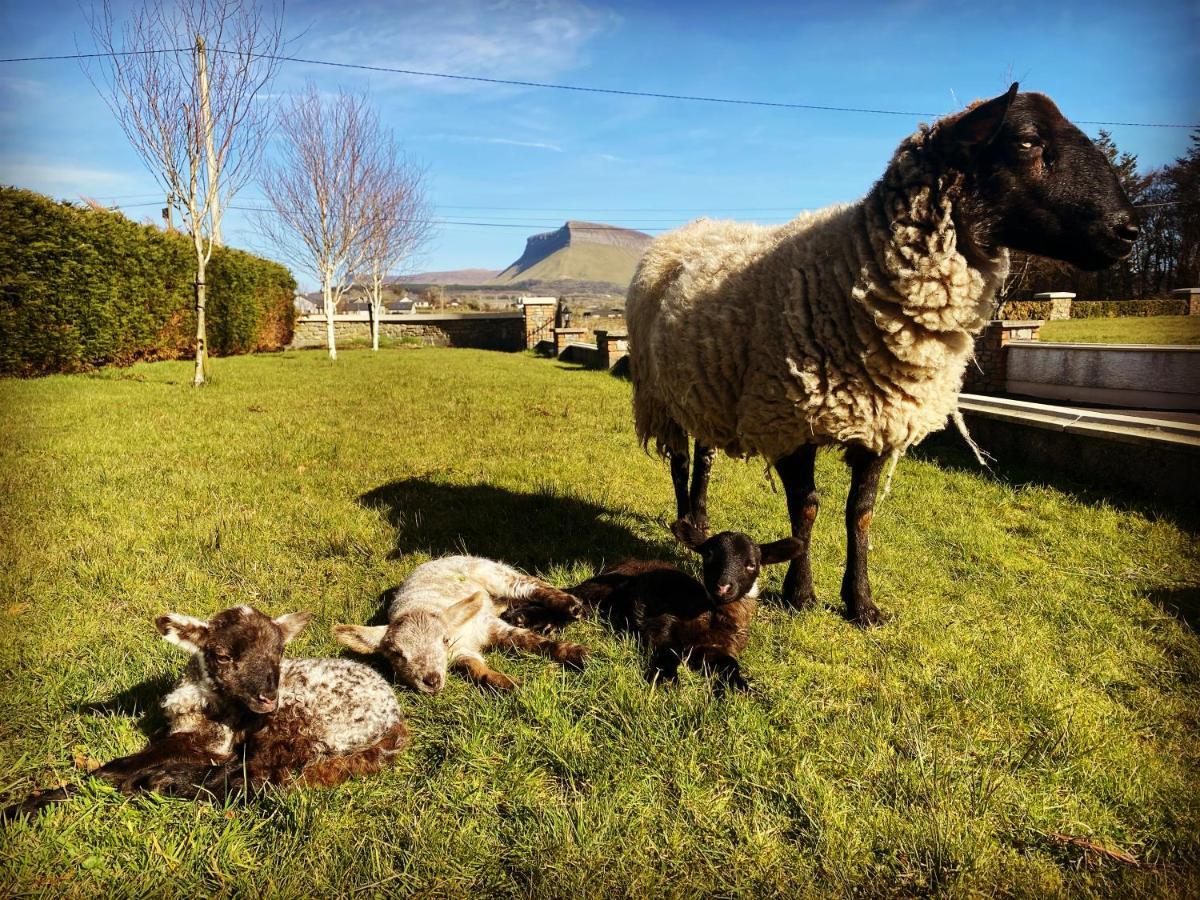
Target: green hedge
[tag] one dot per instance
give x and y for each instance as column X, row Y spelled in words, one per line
column 81, row 288
column 1111, row 309
column 1018, row 310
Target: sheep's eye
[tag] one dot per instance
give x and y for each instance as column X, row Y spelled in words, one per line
column 446, row 641
column 222, row 658
column 751, row 567
column 1030, row 144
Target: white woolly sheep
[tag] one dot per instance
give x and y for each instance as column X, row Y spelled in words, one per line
column 242, row 716
column 449, row 610
column 853, row 325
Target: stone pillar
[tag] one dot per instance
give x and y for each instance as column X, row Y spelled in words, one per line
column 1192, row 296
column 539, row 319
column 987, row 373
column 564, row 336
column 613, row 347
column 1060, row 303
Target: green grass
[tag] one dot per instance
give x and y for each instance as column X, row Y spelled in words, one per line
column 1124, row 330
column 1033, row 679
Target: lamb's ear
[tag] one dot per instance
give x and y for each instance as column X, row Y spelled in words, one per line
column 292, row 624
column 781, row 551
column 687, row 533
column 979, row 126
column 183, row 631
column 465, row 610
column 360, row 638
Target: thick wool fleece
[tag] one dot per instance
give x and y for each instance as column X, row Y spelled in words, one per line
column 852, row 324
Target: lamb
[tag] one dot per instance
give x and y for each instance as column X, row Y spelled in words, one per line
column 449, row 610
column 242, row 717
column 679, row 618
column 853, row 325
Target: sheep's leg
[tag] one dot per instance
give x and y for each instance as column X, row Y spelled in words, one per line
column 679, row 478
column 664, row 663
column 714, row 661
column 368, row 761
column 865, row 468
column 475, row 669
column 797, row 472
column 573, row 656
column 698, row 499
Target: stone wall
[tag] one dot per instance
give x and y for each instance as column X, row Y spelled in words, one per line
column 487, row 331
column 988, row 373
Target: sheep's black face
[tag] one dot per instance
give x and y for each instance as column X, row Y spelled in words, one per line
column 732, row 561
column 243, row 654
column 1035, row 182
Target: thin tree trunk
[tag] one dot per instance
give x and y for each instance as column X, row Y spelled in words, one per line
column 201, row 335
column 329, row 336
column 375, row 312
column 213, row 191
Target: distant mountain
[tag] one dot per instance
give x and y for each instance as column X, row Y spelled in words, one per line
column 457, row 276
column 579, row 251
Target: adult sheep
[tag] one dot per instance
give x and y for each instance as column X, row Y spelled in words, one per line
column 853, row 325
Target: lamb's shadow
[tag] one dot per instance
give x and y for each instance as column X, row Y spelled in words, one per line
column 531, row 530
column 143, row 700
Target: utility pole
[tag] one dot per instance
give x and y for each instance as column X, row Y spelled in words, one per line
column 213, row 194
column 168, row 218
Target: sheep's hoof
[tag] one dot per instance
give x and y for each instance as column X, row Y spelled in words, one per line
column 573, row 656
column 498, row 681
column 800, row 602
column 867, row 615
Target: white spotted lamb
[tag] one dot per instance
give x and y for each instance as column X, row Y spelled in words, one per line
column 242, row 716
column 853, row 325
column 449, row 610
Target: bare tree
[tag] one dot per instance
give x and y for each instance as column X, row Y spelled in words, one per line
column 331, row 154
column 399, row 223
column 181, row 78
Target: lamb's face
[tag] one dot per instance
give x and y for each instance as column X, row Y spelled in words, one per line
column 732, row 561
column 1036, row 183
column 417, row 645
column 242, row 651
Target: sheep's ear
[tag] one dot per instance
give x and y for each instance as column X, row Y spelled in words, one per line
column 360, row 638
column 781, row 551
column 687, row 533
column 465, row 610
column 292, row 624
column 980, row 125
column 183, row 631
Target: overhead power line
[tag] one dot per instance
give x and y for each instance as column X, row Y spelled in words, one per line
column 659, row 95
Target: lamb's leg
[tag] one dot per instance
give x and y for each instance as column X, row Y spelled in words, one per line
column 544, row 607
column 573, row 656
column 865, row 468
column 664, row 663
column 717, row 662
column 679, row 478
column 797, row 472
column 368, row 761
column 475, row 669
column 698, row 500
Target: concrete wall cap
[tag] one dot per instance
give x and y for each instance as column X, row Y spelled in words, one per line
column 1054, row 295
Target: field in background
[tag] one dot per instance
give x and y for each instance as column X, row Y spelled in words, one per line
column 1125, row 330
column 1027, row 714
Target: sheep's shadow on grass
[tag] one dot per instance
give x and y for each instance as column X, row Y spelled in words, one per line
column 143, row 700
column 1182, row 602
column 947, row 451
column 530, row 530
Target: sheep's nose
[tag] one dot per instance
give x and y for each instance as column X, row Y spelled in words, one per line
column 1126, row 228
column 723, row 590
column 433, row 681
column 266, row 702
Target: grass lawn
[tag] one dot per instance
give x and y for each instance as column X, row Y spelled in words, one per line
column 1033, row 702
column 1124, row 330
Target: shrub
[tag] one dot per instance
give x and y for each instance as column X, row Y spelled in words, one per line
column 1025, row 309
column 81, row 288
column 1111, row 309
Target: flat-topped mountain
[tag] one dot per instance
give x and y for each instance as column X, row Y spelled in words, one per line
column 579, row 251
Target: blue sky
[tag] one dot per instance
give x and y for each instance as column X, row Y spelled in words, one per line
column 532, row 158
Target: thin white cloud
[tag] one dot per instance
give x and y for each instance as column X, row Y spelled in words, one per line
column 539, row 145
column 509, row 39
column 70, row 180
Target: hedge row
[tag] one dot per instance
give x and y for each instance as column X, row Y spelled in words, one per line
column 1094, row 309
column 81, row 288
column 1111, row 309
